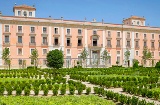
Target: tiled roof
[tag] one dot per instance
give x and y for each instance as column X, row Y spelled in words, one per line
column 24, row 6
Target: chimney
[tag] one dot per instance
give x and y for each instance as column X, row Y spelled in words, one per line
column 102, row 21
column 94, row 20
column 0, row 13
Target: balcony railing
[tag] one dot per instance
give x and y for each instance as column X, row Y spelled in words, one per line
column 6, row 30
column 6, row 43
column 118, row 46
column 68, row 44
column 128, row 46
column 137, row 47
column 19, row 44
column 109, row 46
column 19, row 31
column 56, row 44
column 32, row 31
column 32, row 43
column 44, row 43
column 79, row 44
column 145, row 47
column 95, row 45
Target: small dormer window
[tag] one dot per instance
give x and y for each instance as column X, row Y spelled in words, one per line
column 138, row 23
column 25, row 13
column 19, row 13
column 30, row 13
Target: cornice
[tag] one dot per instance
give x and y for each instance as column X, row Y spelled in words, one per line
column 84, row 26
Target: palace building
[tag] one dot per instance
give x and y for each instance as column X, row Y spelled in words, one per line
column 24, row 32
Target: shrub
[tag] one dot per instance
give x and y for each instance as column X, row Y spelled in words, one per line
column 135, row 63
column 71, row 89
column 36, row 90
column 157, row 65
column 1, row 90
column 80, row 90
column 18, row 91
column 26, row 91
column 156, row 95
column 88, row 90
column 46, row 91
column 55, row 91
column 63, row 89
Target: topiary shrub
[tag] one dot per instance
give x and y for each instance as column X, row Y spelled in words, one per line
column 36, row 90
column 26, row 91
column 158, row 65
column 63, row 89
column 88, row 90
column 135, row 63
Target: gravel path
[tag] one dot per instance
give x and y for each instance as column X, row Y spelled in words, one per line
column 116, row 90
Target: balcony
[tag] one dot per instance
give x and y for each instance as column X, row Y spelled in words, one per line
column 128, row 46
column 19, row 32
column 145, row 47
column 109, row 37
column 6, row 44
column 137, row 47
column 56, row 34
column 79, row 44
column 145, row 39
column 19, row 44
column 44, row 44
column 68, row 44
column 32, row 43
column 109, row 46
column 68, row 35
column 56, row 44
column 95, row 46
column 152, row 47
column 118, row 46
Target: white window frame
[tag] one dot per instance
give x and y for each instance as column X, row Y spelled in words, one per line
column 119, row 53
column 108, row 34
column 17, row 28
column 70, row 31
column 17, row 51
column 43, row 52
column 34, row 29
column 138, row 34
column 143, row 35
column 151, row 35
column 58, row 30
column 136, row 53
column 81, row 31
column 5, row 27
column 18, row 13
column 31, row 49
column 117, row 34
column 46, row 29
column 31, row 13
column 67, row 52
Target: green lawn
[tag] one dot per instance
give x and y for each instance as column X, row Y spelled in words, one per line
column 55, row 100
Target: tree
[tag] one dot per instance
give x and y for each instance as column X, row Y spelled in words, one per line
column 6, row 57
column 55, row 59
column 135, row 63
column 158, row 65
column 105, row 56
column 84, row 55
column 146, row 55
column 34, row 58
column 127, row 55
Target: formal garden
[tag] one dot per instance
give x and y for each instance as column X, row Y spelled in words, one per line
column 78, row 86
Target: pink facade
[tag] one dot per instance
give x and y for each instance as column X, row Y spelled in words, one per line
column 24, row 32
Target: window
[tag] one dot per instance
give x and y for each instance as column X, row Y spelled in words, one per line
column 145, row 44
column 152, row 44
column 68, row 31
column 118, row 52
column 68, row 42
column 20, row 61
column 32, row 49
column 118, row 59
column 44, row 29
column 19, row 39
column 32, row 39
column 25, row 13
column 136, row 53
column 128, row 34
column 20, row 29
column 30, row 13
column 44, row 51
column 152, row 36
column 136, row 35
column 79, row 31
column 44, row 40
column 19, row 13
column 118, row 43
column 159, row 53
column 56, row 41
column 94, row 42
column 94, row 32
column 118, row 34
column 32, row 29
column 79, row 42
column 137, row 43
column 68, row 51
column 159, row 36
column 152, row 53
column 144, row 36
column 109, row 33
column 128, row 44
column 137, row 22
column 19, row 51
column 6, row 28
column 109, row 43
column 55, row 30
column 44, row 62
column 6, row 39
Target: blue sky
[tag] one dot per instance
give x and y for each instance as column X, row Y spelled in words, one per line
column 112, row 11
